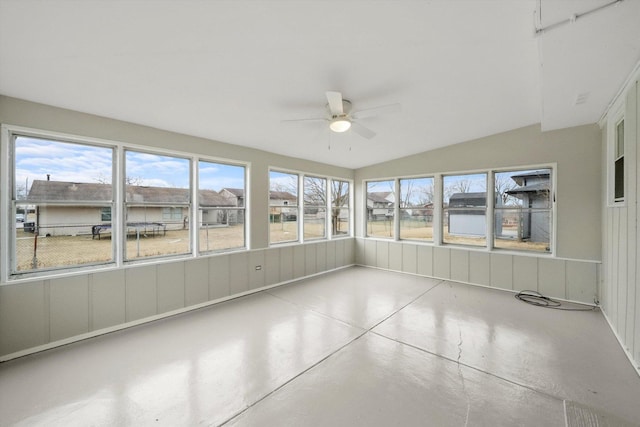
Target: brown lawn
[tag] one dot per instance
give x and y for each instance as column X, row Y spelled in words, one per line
column 59, row 251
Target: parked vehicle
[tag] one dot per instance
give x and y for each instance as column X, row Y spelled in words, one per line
column 19, row 217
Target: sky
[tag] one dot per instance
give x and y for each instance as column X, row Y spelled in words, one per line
column 35, row 158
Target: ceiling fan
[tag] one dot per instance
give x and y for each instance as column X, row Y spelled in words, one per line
column 341, row 118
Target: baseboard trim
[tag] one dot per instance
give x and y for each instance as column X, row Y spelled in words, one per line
column 154, row 318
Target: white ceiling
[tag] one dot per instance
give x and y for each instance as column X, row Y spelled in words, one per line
column 233, row 70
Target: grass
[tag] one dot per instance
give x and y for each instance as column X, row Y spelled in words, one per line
column 60, row 251
column 423, row 231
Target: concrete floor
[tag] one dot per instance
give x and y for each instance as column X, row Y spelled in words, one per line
column 355, row 347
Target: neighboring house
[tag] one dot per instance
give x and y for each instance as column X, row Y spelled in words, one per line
column 533, row 190
column 422, row 212
column 470, row 221
column 278, row 199
column 380, row 205
column 150, row 206
column 235, row 196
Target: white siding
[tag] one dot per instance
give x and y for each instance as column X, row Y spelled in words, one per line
column 620, row 294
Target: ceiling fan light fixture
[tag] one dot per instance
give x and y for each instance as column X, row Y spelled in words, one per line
column 340, row 124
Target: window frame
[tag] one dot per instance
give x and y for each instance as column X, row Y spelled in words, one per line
column 438, row 210
column 617, row 116
column 350, row 187
column 305, row 206
column 551, row 209
column 8, row 247
column 394, row 226
column 197, row 206
column 484, row 209
column 7, row 175
column 433, row 209
column 301, row 206
column 126, row 204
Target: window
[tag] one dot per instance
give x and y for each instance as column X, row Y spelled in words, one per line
column 105, row 215
column 221, row 212
column 157, row 204
column 618, row 182
column 464, row 206
column 171, row 214
column 340, row 213
column 522, row 210
column 283, row 207
column 380, row 208
column 63, row 190
column 68, row 212
column 416, row 209
column 314, row 207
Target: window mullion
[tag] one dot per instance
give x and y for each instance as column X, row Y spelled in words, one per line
column 438, row 209
column 396, row 210
column 490, row 209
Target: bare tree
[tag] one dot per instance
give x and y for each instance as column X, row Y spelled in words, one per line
column 426, row 195
column 408, row 193
column 315, row 192
column 504, row 183
column 129, row 180
column 339, row 199
column 462, row 186
column 290, row 185
column 21, row 191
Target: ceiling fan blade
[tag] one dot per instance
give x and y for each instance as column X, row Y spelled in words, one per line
column 312, row 119
column 364, row 132
column 376, row 111
column 335, row 103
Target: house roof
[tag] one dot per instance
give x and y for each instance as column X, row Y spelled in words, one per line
column 54, row 191
column 520, row 178
column 379, row 196
column 281, row 195
column 238, row 192
column 459, row 200
column 535, row 188
column 63, row 191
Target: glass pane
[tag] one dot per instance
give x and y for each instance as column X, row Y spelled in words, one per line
column 620, row 139
column 221, row 186
column 283, row 207
column 60, row 239
column 314, row 208
column 523, row 210
column 619, row 179
column 416, row 213
column 315, row 220
column 523, row 229
column 380, row 208
column 148, row 234
column 221, row 229
column 524, row 188
column 339, row 208
column 57, row 185
column 61, row 171
column 283, row 224
column 157, row 211
column 464, row 213
column 315, row 191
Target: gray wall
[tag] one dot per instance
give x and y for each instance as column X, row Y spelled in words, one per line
column 41, row 313
column 575, row 150
column 574, row 270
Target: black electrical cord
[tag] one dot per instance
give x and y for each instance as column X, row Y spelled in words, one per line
column 539, row 300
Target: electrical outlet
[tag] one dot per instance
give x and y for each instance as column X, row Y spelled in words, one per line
column 258, row 267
